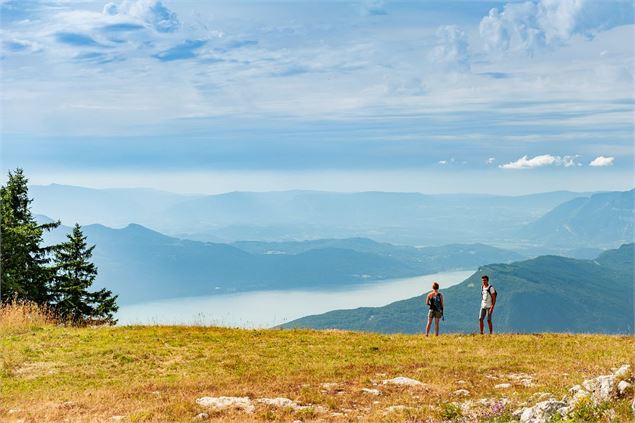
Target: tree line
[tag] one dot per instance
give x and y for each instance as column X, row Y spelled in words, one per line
column 58, row 276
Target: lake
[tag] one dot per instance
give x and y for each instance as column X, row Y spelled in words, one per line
column 262, row 309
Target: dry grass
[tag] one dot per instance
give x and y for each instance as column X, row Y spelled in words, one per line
column 156, row 373
column 23, row 317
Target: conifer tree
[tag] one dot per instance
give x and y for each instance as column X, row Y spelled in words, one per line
column 74, row 275
column 25, row 274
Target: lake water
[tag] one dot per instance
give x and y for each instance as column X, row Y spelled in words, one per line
column 260, row 309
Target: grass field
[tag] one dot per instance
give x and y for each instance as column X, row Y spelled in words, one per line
column 153, row 373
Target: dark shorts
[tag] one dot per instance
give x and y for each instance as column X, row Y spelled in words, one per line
column 435, row 314
column 485, row 312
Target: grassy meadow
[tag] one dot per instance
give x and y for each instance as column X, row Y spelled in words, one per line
column 51, row 373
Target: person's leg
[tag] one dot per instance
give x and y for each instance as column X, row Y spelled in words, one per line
column 480, row 320
column 489, row 323
column 428, row 325
column 436, row 326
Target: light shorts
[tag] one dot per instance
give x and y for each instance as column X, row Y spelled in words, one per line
column 485, row 312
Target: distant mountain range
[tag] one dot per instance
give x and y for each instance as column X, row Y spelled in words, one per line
column 401, row 218
column 139, row 264
column 545, row 294
column 599, row 220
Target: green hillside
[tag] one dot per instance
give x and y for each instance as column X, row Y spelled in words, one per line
column 545, row 294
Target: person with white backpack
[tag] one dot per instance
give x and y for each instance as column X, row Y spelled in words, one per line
column 488, row 301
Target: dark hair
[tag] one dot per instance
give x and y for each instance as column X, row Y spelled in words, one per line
column 435, row 285
column 485, row 277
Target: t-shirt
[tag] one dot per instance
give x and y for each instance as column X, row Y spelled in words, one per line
column 486, row 302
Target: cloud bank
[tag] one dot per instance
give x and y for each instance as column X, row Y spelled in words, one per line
column 541, row 161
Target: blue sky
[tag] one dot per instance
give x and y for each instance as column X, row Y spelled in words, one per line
column 432, row 96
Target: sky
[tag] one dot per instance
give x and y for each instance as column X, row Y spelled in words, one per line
column 506, row 97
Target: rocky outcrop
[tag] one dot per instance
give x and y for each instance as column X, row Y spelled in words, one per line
column 598, row 390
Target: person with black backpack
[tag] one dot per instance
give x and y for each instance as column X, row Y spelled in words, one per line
column 434, row 301
column 488, row 301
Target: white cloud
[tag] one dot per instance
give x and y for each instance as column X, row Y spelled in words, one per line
column 602, row 161
column 452, row 48
column 541, row 161
column 490, row 160
column 152, row 12
column 531, row 24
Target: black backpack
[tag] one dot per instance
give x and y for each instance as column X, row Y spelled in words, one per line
column 435, row 303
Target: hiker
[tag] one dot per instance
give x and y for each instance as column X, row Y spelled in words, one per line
column 488, row 301
column 434, row 300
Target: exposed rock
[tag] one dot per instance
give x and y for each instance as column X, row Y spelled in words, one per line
column 117, row 418
column 222, row 403
column 371, row 391
column 287, row 403
column 602, row 388
column 503, row 386
column 394, row 408
column 278, row 402
column 624, row 387
column 541, row 412
column 461, row 382
column 202, row 416
column 405, row 381
column 329, row 386
column 462, row 392
column 623, row 372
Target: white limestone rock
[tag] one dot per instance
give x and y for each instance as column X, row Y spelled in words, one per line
column 371, row 391
column 541, row 412
column 623, row 373
column 624, row 387
column 403, row 381
column 602, row 388
column 223, row 403
column 503, row 386
column 462, row 393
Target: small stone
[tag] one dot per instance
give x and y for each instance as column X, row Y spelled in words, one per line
column 371, row 391
column 117, row 418
column 394, row 408
column 503, row 386
column 405, row 381
column 461, row 382
column 337, row 414
column 222, row 403
column 462, row 392
column 624, row 387
column 202, row 416
column 13, row 410
column 329, row 386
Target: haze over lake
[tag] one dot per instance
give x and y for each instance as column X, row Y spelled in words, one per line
column 262, row 309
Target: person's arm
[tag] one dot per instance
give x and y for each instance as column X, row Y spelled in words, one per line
column 494, row 294
column 428, row 300
column 442, row 305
